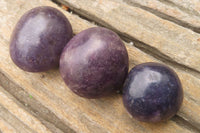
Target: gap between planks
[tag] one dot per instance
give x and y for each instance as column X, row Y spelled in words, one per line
column 179, row 4
column 179, row 56
column 34, row 107
column 127, row 38
column 162, row 58
column 164, row 16
column 48, row 118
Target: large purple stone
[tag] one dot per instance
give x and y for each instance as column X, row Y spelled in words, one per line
column 152, row 92
column 39, row 38
column 94, row 63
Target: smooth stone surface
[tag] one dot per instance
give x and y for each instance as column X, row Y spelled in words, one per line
column 39, row 38
column 94, row 63
column 152, row 92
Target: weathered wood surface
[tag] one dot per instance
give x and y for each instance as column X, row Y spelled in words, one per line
column 161, row 37
column 183, row 12
column 192, row 6
column 31, row 106
column 67, row 109
column 15, row 118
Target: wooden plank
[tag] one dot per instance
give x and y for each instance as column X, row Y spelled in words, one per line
column 13, row 122
column 6, row 127
column 161, row 37
column 34, row 107
column 83, row 115
column 172, row 11
column 192, row 6
column 17, row 117
column 104, row 115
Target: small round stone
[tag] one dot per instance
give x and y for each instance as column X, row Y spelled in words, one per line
column 39, row 38
column 94, row 63
column 152, row 92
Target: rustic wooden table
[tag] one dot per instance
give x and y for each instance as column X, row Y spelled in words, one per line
column 165, row 31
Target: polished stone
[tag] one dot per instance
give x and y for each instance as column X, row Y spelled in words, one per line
column 39, row 38
column 94, row 63
column 152, row 92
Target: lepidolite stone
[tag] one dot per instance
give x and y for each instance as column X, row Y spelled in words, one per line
column 94, row 63
column 39, row 38
column 152, row 92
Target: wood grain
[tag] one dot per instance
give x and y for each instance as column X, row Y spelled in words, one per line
column 103, row 115
column 175, row 12
column 6, row 127
column 13, row 117
column 192, row 6
column 34, row 107
column 83, row 115
column 161, row 37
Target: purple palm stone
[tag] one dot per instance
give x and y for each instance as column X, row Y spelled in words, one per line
column 152, row 92
column 39, row 38
column 94, row 63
